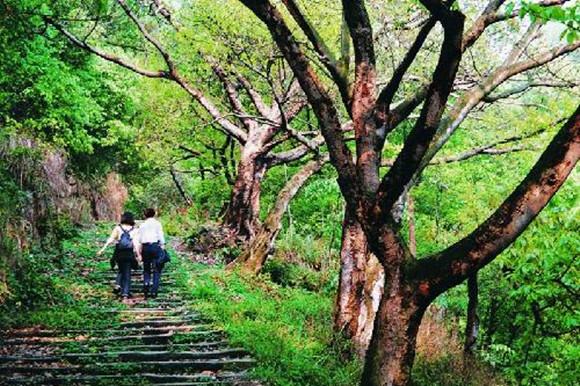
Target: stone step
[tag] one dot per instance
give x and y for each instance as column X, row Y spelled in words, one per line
column 156, row 341
column 210, row 383
column 58, row 349
column 119, row 331
column 138, row 289
column 173, row 347
column 163, row 300
column 129, row 356
column 145, row 311
column 112, row 275
column 159, row 323
column 160, row 302
column 221, row 378
column 165, row 282
column 180, row 337
column 165, row 366
column 184, row 337
column 138, row 318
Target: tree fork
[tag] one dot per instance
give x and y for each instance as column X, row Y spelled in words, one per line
column 255, row 255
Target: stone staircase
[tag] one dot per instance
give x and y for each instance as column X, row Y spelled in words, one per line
column 158, row 341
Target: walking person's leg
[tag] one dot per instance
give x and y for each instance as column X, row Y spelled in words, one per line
column 114, row 264
column 156, row 279
column 125, row 268
column 148, row 266
column 117, row 289
column 157, row 268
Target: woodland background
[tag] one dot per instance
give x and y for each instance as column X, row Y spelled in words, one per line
column 82, row 139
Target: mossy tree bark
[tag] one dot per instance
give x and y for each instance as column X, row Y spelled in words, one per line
column 242, row 214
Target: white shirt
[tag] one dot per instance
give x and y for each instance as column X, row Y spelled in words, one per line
column 151, row 231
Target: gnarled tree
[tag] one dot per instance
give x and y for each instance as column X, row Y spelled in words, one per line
column 412, row 283
column 259, row 123
column 360, row 282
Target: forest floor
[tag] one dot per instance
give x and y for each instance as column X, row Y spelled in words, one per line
column 208, row 326
column 98, row 340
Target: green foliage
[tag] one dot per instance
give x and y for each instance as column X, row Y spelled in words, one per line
column 288, row 330
column 57, row 95
column 48, row 289
column 537, row 320
column 569, row 16
column 293, row 275
column 450, row 370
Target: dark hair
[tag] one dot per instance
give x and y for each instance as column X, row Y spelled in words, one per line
column 128, row 219
column 149, row 212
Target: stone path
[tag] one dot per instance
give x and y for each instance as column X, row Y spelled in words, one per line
column 159, row 341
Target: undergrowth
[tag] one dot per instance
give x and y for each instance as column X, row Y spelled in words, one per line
column 49, row 288
column 287, row 326
column 288, row 330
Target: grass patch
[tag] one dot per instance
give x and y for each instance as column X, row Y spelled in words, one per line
column 288, row 330
column 52, row 290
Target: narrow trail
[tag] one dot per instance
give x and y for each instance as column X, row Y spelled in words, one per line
column 160, row 341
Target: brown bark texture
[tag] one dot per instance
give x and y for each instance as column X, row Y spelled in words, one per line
column 242, row 214
column 392, row 348
column 360, row 286
column 254, row 256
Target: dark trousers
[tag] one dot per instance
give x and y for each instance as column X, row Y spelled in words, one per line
column 151, row 254
column 125, row 275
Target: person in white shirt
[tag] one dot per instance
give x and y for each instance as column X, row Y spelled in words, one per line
column 153, row 244
column 125, row 237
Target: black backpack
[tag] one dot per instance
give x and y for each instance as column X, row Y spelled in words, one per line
column 125, row 241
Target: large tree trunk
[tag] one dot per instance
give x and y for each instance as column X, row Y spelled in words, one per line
column 255, row 255
column 391, row 352
column 360, row 286
column 242, row 214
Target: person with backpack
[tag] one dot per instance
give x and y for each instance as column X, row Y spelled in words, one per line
column 125, row 236
column 153, row 250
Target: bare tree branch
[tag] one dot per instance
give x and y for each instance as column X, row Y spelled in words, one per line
column 473, row 97
column 363, row 94
column 453, row 265
column 171, row 74
column 488, row 17
column 315, row 91
column 232, row 95
column 105, row 55
column 523, row 87
column 164, row 53
column 324, row 53
column 426, row 126
column 488, row 149
column 256, row 98
column 388, row 93
column 179, row 187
